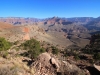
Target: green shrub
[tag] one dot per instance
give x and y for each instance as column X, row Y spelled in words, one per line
column 96, row 56
column 42, row 50
column 30, row 44
column 69, row 52
column 4, row 45
column 65, row 55
column 88, row 51
column 54, row 50
column 76, row 56
column 33, row 47
column 16, row 42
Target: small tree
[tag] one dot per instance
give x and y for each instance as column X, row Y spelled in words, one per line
column 97, row 56
column 76, row 57
column 54, row 50
column 33, row 47
column 42, row 50
column 4, row 45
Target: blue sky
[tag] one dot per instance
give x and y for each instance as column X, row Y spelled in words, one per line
column 49, row 8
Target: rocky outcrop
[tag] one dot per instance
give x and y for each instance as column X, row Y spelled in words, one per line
column 97, row 67
column 44, row 66
column 47, row 65
column 55, row 63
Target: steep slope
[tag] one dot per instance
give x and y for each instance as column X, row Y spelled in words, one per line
column 5, row 25
column 21, row 33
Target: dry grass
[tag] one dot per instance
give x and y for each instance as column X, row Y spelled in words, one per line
column 14, row 66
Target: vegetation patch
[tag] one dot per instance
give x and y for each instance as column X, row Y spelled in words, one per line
column 33, row 48
column 4, row 44
column 55, row 50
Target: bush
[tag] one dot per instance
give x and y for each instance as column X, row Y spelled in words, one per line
column 54, row 50
column 76, row 57
column 97, row 56
column 88, row 51
column 69, row 52
column 33, row 47
column 16, row 42
column 4, row 45
column 42, row 50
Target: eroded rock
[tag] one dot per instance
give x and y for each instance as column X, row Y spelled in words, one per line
column 47, row 65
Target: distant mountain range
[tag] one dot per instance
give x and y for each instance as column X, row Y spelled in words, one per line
column 21, row 20
column 94, row 24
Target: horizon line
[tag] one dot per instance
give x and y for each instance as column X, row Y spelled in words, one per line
column 48, row 17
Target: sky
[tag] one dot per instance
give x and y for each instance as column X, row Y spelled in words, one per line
column 49, row 8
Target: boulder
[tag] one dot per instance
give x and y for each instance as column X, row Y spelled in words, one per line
column 44, row 65
column 54, row 62
column 97, row 67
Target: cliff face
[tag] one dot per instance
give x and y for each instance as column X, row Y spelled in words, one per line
column 56, row 20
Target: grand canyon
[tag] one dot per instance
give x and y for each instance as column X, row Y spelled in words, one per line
column 74, row 41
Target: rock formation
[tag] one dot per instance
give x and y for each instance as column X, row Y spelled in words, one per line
column 47, row 65
column 97, row 67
